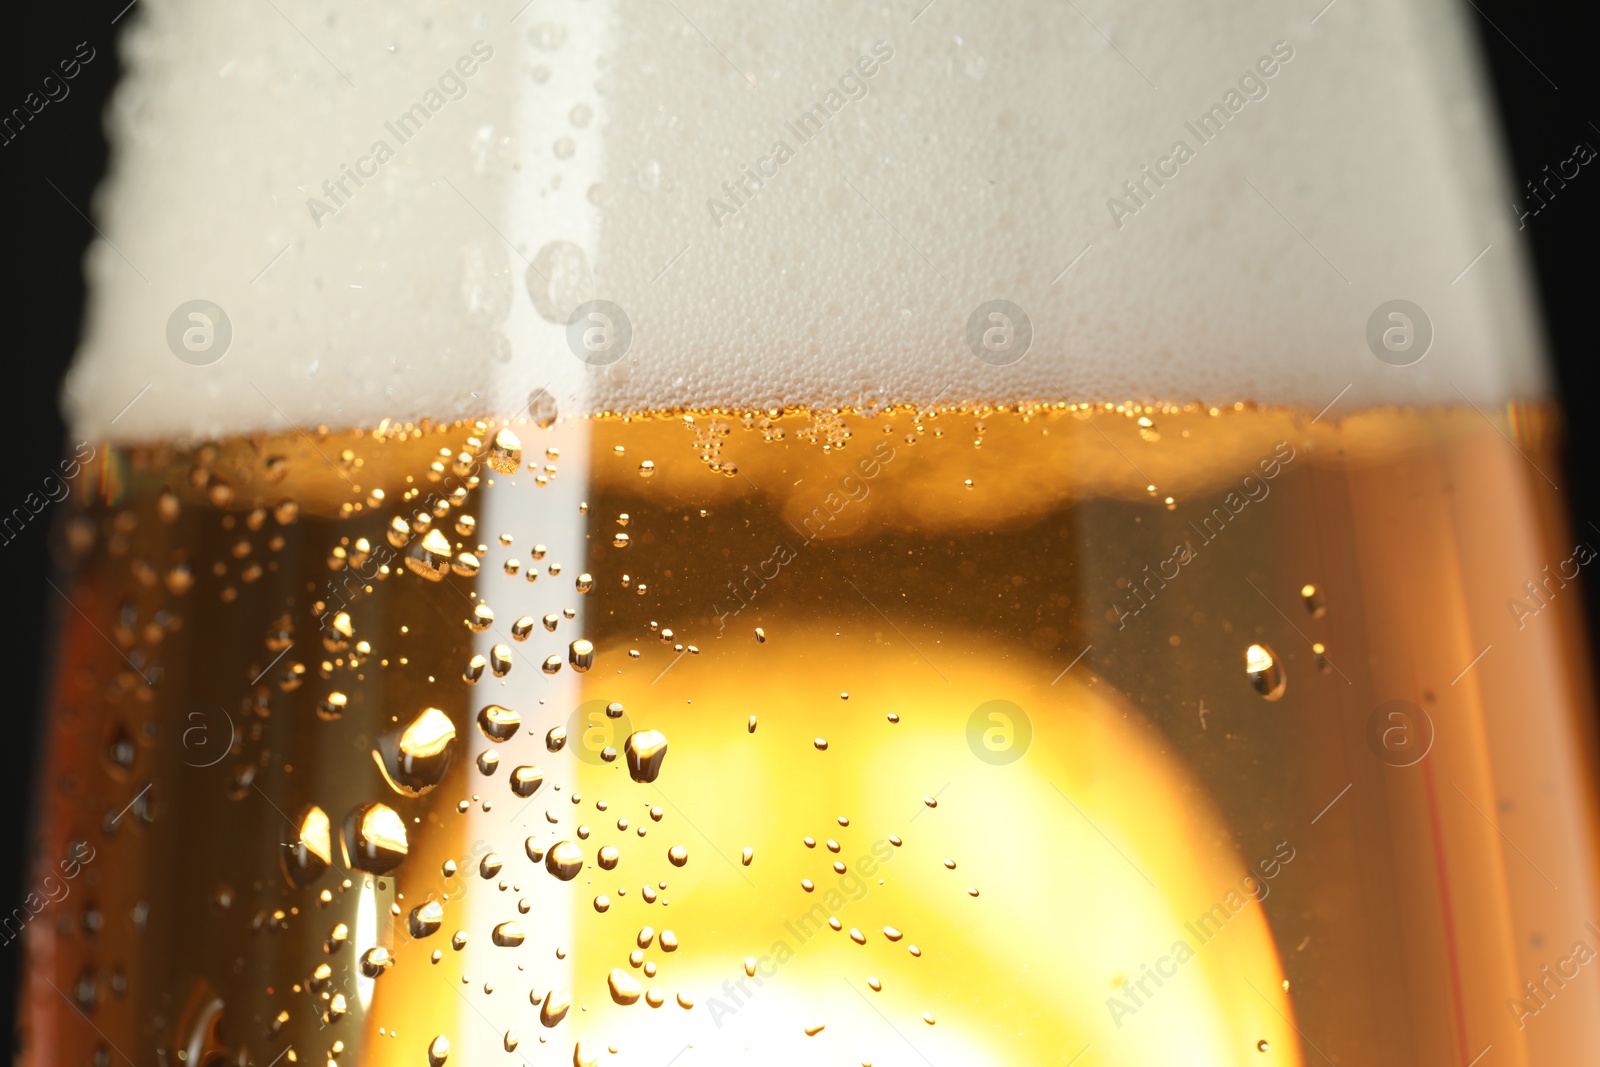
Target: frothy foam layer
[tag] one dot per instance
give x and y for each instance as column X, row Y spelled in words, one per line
column 394, row 213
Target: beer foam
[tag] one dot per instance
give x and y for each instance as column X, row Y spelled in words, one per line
column 792, row 205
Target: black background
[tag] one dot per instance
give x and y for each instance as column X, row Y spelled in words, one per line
column 1541, row 59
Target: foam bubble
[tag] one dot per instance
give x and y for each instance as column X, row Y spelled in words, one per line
column 395, row 212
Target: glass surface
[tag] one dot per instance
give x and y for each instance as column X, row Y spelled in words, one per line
column 963, row 759
column 530, row 615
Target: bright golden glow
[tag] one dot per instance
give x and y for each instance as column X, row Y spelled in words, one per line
column 428, row 735
column 315, row 834
column 384, row 829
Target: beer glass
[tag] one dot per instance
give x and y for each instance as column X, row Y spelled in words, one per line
column 912, row 533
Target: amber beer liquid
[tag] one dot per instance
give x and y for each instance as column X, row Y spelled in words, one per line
column 697, row 534
column 1029, row 734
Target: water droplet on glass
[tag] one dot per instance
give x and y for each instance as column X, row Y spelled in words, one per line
column 624, row 990
column 498, row 723
column 505, row 452
column 526, row 780
column 375, row 839
column 1264, row 671
column 425, row 919
column 508, row 934
column 564, row 860
column 304, row 859
column 559, row 279
column 542, row 407
column 375, row 961
column 332, row 707
column 414, row 759
column 430, row 559
column 554, row 1008
column 646, row 750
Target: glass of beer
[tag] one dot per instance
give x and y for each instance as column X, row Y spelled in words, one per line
column 697, row 534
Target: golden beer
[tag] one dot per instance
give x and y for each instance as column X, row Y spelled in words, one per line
column 656, row 535
column 1056, row 733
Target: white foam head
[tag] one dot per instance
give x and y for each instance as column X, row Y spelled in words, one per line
column 632, row 155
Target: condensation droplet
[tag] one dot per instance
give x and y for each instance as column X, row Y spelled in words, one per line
column 425, row 919
column 559, row 279
column 526, row 780
column 646, row 750
column 375, row 839
column 505, row 452
column 554, row 1008
column 414, row 759
column 564, row 860
column 304, row 859
column 624, row 989
column 375, row 961
column 431, row 558
column 499, row 723
column 1264, row 671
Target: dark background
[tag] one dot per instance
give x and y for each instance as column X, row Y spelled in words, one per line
column 1542, row 63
